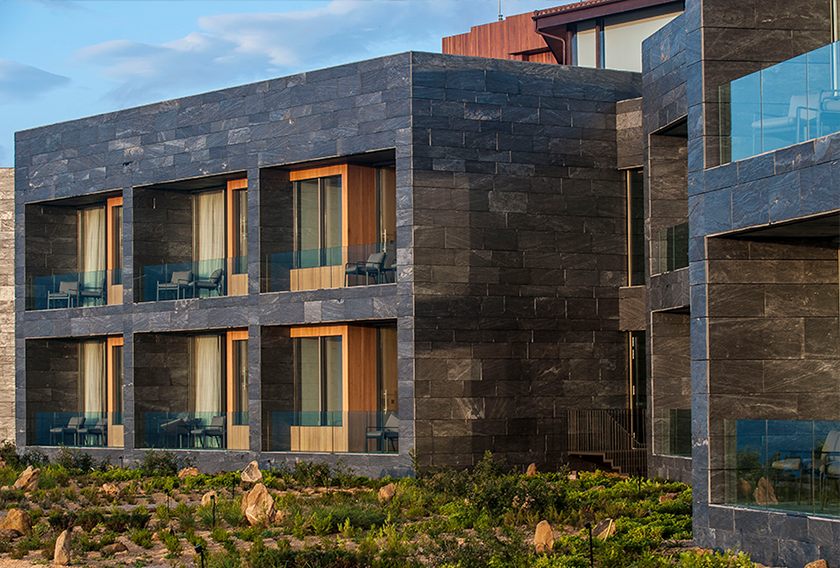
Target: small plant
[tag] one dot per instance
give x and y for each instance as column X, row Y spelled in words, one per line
column 142, row 537
column 73, row 459
column 171, row 542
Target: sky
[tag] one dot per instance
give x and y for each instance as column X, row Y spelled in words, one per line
column 63, row 60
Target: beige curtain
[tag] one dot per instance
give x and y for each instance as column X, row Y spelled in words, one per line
column 206, row 376
column 209, row 231
column 92, row 377
column 91, row 240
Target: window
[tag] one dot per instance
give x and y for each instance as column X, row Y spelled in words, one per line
column 636, row 227
column 318, row 380
column 237, row 215
column 114, row 252
column 91, row 255
column 318, row 221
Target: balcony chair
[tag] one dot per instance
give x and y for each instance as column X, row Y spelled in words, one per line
column 73, row 426
column 95, row 292
column 181, row 280
column 829, row 119
column 828, row 465
column 367, row 268
column 801, row 110
column 179, row 427
column 214, row 282
column 390, row 270
column 97, row 431
column 67, row 291
column 216, row 429
column 389, row 431
column 789, row 467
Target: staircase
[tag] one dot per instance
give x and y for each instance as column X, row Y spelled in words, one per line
column 606, row 435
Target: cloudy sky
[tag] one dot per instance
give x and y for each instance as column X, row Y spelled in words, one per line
column 62, row 60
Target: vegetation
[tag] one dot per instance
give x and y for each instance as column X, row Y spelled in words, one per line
column 329, row 517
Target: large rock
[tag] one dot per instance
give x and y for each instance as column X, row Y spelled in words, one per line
column 817, row 564
column 252, row 473
column 387, row 493
column 187, row 472
column 532, row 470
column 668, row 497
column 28, row 480
column 112, row 549
column 258, row 505
column 604, row 529
column 207, row 498
column 764, row 494
column 17, row 520
column 62, row 549
column 111, row 490
column 543, row 538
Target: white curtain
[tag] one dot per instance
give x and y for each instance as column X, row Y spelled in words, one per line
column 91, row 241
column 209, row 231
column 92, row 377
column 206, row 387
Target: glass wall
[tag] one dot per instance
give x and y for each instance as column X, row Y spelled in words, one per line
column 788, row 103
column 670, row 249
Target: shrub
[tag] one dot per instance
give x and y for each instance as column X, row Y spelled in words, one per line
column 163, row 463
column 74, row 459
column 142, row 537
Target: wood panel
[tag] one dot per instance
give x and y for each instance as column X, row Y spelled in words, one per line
column 115, row 436
column 319, row 438
column 358, row 202
column 238, row 436
column 115, row 291
column 498, row 40
column 317, row 278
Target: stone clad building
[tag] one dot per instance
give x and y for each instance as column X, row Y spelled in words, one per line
column 538, row 246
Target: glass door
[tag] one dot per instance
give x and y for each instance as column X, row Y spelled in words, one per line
column 237, row 387
column 237, row 230
column 114, row 366
column 114, row 250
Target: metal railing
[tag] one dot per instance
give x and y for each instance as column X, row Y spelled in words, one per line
column 609, row 435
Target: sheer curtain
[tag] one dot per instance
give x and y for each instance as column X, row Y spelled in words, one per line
column 206, row 375
column 91, row 239
column 209, row 232
column 92, row 377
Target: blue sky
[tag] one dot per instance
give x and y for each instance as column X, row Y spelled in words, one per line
column 62, row 60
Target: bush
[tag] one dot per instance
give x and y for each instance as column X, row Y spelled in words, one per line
column 142, row 537
column 74, row 459
column 162, row 463
column 9, row 455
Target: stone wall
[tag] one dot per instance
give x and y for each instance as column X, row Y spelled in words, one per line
column 7, row 304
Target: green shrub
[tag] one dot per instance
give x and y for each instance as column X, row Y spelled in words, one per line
column 142, row 537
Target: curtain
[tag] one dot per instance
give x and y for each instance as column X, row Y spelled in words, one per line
column 209, row 232
column 206, row 375
column 91, row 239
column 92, row 377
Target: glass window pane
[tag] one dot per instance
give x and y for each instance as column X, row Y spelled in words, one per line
column 332, row 220
column 624, row 33
column 308, row 225
column 636, row 229
column 117, row 373
column 240, row 376
column 240, row 231
column 583, row 46
column 333, row 374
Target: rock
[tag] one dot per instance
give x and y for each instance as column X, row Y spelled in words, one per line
column 207, row 498
column 764, row 494
column 252, row 473
column 10, row 534
column 543, row 538
column 112, row 549
column 258, row 505
column 744, row 488
column 668, row 497
column 573, row 476
column 62, row 550
column 597, row 488
column 604, row 529
column 387, row 493
column 17, row 520
column 532, row 470
column 28, row 480
column 110, row 490
column 187, row 472
column 817, row 564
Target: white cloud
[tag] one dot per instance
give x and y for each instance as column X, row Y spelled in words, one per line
column 19, row 82
column 234, row 48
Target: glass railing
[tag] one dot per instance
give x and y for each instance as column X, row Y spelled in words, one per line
column 357, row 432
column 187, row 430
column 358, row 265
column 789, row 465
column 675, row 432
column 782, row 105
column 669, row 250
column 73, row 290
column 183, row 280
column 83, row 429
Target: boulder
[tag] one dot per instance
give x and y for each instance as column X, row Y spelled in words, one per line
column 532, row 470
column 207, row 498
column 28, row 479
column 62, row 549
column 10, row 534
column 258, row 505
column 387, row 493
column 112, row 549
column 110, row 490
column 543, row 538
column 252, row 473
column 817, row 564
column 668, row 497
column 17, row 520
column 597, row 488
column 604, row 529
column 187, row 472
column 764, row 494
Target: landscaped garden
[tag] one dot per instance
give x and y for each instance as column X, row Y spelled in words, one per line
column 314, row 515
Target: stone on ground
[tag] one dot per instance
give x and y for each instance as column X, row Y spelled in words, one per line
column 207, row 498
column 604, row 529
column 258, row 505
column 28, row 479
column 110, row 489
column 62, row 550
column 543, row 538
column 187, row 472
column 112, row 549
column 252, row 473
column 817, row 564
column 668, row 497
column 17, row 520
column 532, row 470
